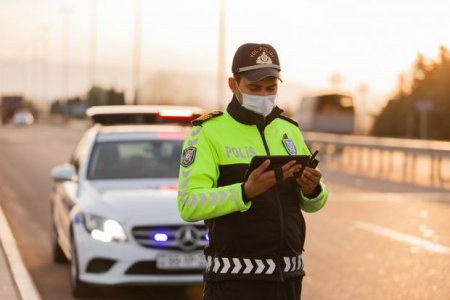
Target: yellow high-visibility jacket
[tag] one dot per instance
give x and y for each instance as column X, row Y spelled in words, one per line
column 258, row 239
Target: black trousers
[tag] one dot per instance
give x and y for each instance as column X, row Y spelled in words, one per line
column 289, row 289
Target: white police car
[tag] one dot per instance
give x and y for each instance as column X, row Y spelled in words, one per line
column 114, row 210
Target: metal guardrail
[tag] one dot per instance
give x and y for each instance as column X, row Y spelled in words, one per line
column 421, row 162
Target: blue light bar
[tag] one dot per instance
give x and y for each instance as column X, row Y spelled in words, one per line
column 160, row 237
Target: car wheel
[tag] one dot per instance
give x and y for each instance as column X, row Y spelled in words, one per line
column 57, row 253
column 80, row 289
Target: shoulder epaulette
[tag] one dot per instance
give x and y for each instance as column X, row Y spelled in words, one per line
column 200, row 120
column 289, row 120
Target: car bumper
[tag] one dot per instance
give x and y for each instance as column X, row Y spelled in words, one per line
column 126, row 263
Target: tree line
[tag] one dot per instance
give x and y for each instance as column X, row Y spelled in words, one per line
column 421, row 105
column 76, row 106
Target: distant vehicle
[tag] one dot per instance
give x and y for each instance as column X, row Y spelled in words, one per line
column 144, row 114
column 114, row 210
column 333, row 113
column 23, row 118
column 9, row 106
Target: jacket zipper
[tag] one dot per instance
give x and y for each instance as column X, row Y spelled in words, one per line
column 280, row 209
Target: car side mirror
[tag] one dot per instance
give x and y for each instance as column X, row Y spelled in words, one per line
column 64, row 172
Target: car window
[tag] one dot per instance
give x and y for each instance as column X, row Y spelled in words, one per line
column 135, row 159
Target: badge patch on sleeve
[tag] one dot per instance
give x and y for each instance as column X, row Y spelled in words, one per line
column 188, row 156
column 289, row 145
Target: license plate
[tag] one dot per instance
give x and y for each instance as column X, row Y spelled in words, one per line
column 181, row 261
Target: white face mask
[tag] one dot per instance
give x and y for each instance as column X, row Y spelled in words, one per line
column 261, row 105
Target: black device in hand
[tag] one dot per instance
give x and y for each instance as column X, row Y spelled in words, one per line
column 276, row 161
column 311, row 163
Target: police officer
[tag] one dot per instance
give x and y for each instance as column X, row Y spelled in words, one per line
column 256, row 228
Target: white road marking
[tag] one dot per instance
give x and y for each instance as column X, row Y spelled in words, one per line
column 20, row 274
column 403, row 237
column 390, row 197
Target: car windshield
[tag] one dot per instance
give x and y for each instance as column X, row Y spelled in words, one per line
column 135, row 159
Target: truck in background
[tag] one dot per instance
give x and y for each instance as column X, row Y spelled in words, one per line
column 331, row 113
column 9, row 105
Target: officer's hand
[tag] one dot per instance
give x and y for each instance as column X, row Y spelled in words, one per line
column 260, row 181
column 309, row 180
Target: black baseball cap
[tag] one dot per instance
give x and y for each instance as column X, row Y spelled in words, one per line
column 256, row 61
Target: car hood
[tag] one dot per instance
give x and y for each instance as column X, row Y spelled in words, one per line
column 151, row 202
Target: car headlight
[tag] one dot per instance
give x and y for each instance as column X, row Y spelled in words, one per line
column 104, row 229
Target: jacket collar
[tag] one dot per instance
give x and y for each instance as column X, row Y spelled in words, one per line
column 248, row 117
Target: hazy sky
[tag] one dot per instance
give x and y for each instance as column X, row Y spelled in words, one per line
column 363, row 40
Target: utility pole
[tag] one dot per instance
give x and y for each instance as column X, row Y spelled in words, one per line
column 424, row 106
column 93, row 49
column 137, row 51
column 66, row 12
column 28, row 71
column 44, row 83
column 34, row 84
column 363, row 91
column 221, row 57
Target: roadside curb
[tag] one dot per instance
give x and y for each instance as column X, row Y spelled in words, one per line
column 19, row 272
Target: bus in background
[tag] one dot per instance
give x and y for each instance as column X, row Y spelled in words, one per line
column 333, row 113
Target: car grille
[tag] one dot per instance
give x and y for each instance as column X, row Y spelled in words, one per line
column 150, row 268
column 180, row 237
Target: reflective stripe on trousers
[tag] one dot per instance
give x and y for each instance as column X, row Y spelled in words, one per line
column 227, row 265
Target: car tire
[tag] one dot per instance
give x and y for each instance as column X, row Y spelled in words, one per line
column 57, row 253
column 79, row 288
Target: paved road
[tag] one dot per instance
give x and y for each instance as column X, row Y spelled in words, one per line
column 373, row 240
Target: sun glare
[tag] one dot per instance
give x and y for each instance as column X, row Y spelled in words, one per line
column 368, row 42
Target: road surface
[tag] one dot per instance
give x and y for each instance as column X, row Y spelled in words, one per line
column 373, row 240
